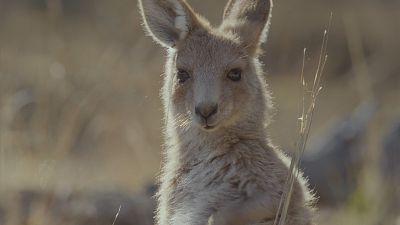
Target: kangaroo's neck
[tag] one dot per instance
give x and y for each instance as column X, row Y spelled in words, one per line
column 195, row 143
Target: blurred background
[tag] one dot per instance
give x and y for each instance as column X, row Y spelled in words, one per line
column 81, row 117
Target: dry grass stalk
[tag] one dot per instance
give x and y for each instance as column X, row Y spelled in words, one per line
column 116, row 215
column 304, row 124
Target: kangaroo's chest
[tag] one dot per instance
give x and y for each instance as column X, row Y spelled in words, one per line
column 209, row 173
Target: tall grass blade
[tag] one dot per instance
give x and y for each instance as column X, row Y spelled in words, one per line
column 304, row 124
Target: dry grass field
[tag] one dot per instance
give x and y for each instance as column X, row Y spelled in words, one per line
column 81, row 119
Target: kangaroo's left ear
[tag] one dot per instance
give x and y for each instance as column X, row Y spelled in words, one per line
column 249, row 19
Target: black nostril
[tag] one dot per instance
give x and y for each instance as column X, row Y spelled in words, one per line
column 206, row 110
column 197, row 110
column 214, row 110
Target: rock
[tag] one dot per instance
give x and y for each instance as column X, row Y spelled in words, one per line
column 332, row 164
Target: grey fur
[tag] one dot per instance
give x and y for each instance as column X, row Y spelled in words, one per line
column 230, row 173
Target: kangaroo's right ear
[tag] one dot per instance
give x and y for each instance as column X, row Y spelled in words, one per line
column 168, row 21
column 249, row 19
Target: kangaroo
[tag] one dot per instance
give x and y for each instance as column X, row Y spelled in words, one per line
column 219, row 166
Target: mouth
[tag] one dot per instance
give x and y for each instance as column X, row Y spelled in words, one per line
column 208, row 127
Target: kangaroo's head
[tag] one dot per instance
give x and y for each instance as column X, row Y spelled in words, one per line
column 213, row 77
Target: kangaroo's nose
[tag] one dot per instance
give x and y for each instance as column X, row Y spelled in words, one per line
column 206, row 110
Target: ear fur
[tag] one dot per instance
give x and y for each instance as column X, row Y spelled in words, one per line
column 249, row 19
column 167, row 21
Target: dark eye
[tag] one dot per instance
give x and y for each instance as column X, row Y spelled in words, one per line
column 235, row 74
column 182, row 76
